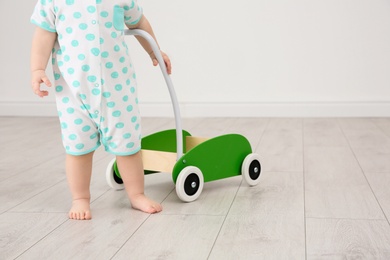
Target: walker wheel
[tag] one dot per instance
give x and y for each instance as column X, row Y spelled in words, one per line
column 113, row 180
column 189, row 183
column 251, row 169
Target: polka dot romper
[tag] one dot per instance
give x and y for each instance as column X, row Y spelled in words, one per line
column 95, row 82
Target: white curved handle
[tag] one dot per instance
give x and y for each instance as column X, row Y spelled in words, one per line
column 175, row 103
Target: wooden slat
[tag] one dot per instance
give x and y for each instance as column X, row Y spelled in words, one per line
column 192, row 141
column 158, row 161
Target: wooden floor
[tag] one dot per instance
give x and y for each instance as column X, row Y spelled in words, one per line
column 324, row 194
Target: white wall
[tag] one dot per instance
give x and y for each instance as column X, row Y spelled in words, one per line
column 239, row 58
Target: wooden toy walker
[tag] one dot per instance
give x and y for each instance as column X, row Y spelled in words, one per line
column 191, row 160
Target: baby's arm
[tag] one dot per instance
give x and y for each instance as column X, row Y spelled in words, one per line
column 42, row 44
column 144, row 24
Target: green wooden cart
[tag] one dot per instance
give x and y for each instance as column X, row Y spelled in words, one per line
column 191, row 160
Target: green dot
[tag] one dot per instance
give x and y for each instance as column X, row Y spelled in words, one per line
column 83, row 26
column 130, row 145
column 65, row 100
column 116, row 113
column 91, row 9
column 95, row 51
column 72, row 137
column 79, row 146
column 85, row 68
column 105, row 54
column 96, row 91
column 113, row 145
column 104, row 14
column 76, row 83
column 129, row 108
column 117, row 48
column 125, row 98
column 70, row 110
column 106, row 94
column 59, row 88
column 78, row 121
column 77, row 15
column 111, row 104
column 86, row 128
column 120, row 125
column 91, row 78
column 134, row 119
column 81, row 57
column 114, row 75
column 127, row 136
column 109, row 65
column 90, row 37
column 118, row 87
column 75, row 43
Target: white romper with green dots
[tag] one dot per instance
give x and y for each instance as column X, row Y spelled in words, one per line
column 95, row 82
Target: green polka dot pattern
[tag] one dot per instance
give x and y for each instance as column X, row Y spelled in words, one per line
column 95, row 82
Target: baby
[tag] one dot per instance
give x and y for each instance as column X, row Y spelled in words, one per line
column 95, row 88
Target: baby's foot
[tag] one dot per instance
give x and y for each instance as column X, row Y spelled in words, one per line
column 80, row 210
column 143, row 203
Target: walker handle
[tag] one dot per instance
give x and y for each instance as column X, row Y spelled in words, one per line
column 168, row 81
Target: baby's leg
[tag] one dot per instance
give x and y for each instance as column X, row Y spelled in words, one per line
column 132, row 173
column 78, row 172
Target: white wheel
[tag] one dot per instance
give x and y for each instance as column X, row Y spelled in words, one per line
column 189, row 184
column 113, row 181
column 251, row 169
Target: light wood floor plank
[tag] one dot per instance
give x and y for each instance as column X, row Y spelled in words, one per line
column 274, row 236
column 380, row 183
column 266, row 221
column 19, row 188
column 20, row 231
column 347, row 239
column 281, row 145
column 323, row 132
column 173, row 237
column 335, row 186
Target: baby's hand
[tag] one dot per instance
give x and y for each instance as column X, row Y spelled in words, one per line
column 166, row 60
column 37, row 78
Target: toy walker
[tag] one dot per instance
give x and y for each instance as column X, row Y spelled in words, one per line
column 191, row 160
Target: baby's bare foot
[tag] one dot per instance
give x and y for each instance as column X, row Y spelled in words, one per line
column 143, row 203
column 80, row 210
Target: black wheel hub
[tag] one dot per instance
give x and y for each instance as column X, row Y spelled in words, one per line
column 191, row 184
column 116, row 178
column 254, row 169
